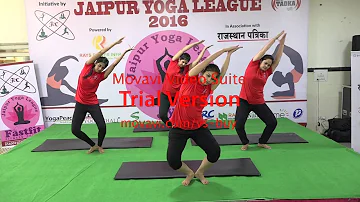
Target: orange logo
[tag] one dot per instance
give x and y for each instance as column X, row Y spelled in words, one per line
column 99, row 42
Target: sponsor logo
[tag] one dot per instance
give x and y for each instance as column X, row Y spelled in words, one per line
column 20, row 114
column 297, row 113
column 99, row 42
column 135, row 115
column 290, row 5
column 208, row 114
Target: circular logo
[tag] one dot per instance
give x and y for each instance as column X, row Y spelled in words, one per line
column 147, row 64
column 20, row 112
column 297, row 113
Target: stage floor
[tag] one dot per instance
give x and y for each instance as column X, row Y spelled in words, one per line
column 316, row 170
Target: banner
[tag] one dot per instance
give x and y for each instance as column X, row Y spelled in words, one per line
column 63, row 35
column 21, row 114
column 355, row 100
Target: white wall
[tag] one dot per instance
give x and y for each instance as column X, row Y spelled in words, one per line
column 331, row 28
column 13, row 21
column 332, row 25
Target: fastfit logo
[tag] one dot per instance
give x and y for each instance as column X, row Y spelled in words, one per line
column 290, row 5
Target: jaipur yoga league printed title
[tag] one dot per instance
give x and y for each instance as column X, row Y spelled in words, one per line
column 154, row 8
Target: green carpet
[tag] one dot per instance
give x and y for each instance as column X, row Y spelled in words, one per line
column 319, row 169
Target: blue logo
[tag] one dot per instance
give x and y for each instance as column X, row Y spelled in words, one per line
column 297, row 113
column 208, row 114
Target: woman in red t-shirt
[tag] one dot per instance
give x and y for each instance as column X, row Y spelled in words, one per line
column 175, row 72
column 187, row 117
column 252, row 93
column 86, row 100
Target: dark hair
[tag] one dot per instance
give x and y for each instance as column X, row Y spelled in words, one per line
column 185, row 56
column 212, row 68
column 100, row 59
column 265, row 57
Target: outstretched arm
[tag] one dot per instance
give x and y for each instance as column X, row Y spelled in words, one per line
column 279, row 53
column 200, row 67
column 193, row 64
column 113, row 65
column 178, row 54
column 262, row 52
column 104, row 50
column 224, row 67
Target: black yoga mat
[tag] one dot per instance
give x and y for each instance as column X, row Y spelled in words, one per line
column 275, row 138
column 163, row 127
column 109, row 143
column 162, row 170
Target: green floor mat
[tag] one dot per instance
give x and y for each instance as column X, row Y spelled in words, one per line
column 319, row 169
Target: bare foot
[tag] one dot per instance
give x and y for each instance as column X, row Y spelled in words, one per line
column 201, row 177
column 92, row 149
column 101, row 150
column 188, row 179
column 244, row 147
column 264, row 146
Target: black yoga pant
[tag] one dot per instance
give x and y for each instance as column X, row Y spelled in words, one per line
column 263, row 112
column 78, row 118
column 178, row 139
column 164, row 109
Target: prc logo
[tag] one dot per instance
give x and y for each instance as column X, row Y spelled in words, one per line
column 148, row 62
column 289, row 5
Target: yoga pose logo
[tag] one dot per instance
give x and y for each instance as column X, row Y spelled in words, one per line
column 56, row 78
column 291, row 77
column 148, row 62
column 10, row 81
column 20, row 112
column 288, row 4
column 53, row 25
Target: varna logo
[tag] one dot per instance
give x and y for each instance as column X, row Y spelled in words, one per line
column 289, row 5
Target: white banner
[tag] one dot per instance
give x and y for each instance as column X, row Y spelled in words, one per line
column 21, row 114
column 64, row 34
column 355, row 100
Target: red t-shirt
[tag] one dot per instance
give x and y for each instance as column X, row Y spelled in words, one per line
column 86, row 88
column 191, row 100
column 173, row 78
column 255, row 79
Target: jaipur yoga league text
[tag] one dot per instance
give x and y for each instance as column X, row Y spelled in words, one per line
column 185, row 101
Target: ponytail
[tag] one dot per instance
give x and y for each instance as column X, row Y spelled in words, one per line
column 90, row 72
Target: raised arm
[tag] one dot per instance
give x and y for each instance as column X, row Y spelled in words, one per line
column 104, row 50
column 193, row 64
column 279, row 53
column 178, row 54
column 200, row 67
column 113, row 65
column 225, row 66
column 262, row 52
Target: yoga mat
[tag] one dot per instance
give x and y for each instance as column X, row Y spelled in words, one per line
column 163, row 127
column 109, row 143
column 162, row 170
column 275, row 138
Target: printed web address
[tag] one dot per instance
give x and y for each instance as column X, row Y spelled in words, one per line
column 159, row 124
